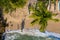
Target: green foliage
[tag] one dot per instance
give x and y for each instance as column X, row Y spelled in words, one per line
column 41, row 15
column 10, row 5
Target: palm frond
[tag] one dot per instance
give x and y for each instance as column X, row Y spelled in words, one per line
column 56, row 20
column 34, row 21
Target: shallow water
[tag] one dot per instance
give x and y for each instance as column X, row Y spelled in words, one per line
column 17, row 36
column 30, row 35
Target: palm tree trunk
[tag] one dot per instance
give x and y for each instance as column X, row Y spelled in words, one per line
column 22, row 25
column 54, row 5
column 49, row 4
column 42, row 29
column 29, row 7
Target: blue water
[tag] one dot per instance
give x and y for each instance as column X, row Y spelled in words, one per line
column 55, row 38
column 53, row 35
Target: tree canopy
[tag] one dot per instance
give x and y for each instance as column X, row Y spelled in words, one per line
column 10, row 5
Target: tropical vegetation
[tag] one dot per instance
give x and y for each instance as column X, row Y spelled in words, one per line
column 41, row 15
column 8, row 6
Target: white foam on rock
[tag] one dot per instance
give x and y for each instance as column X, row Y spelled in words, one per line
column 32, row 32
column 35, row 32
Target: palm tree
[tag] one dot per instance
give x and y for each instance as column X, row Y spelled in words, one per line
column 9, row 6
column 41, row 15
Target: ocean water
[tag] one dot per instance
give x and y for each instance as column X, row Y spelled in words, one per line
column 17, row 36
column 30, row 35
